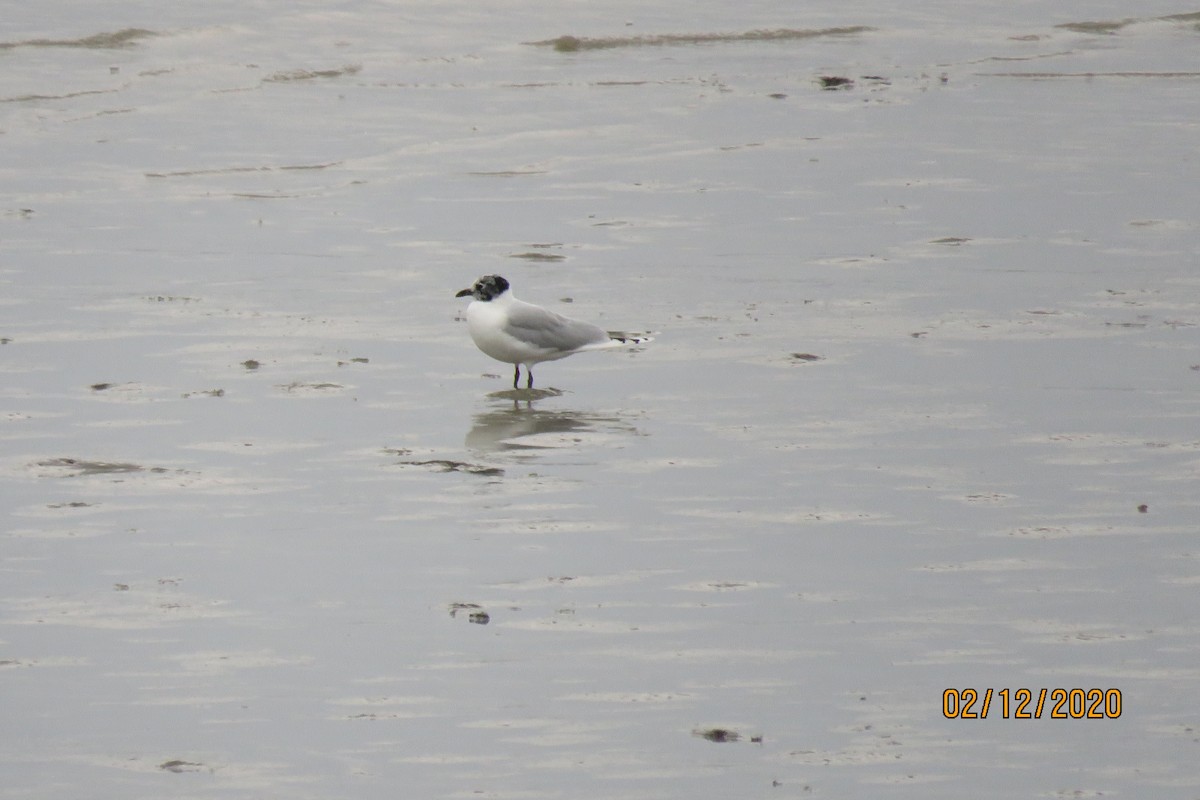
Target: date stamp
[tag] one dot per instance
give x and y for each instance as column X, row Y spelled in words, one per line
column 1032, row 703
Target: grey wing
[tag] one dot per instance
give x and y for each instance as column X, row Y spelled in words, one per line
column 545, row 329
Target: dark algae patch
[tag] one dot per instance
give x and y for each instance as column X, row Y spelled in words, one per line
column 473, row 612
column 77, row 466
column 443, row 465
column 535, row 256
column 448, row 465
column 297, row 386
column 832, row 82
column 719, row 735
column 1104, row 28
column 1111, row 27
column 113, row 40
column 574, row 44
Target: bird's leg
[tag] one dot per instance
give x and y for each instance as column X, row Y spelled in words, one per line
column 516, row 374
column 529, row 382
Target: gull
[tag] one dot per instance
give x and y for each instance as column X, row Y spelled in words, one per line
column 517, row 333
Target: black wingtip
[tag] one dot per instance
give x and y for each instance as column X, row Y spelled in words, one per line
column 625, row 338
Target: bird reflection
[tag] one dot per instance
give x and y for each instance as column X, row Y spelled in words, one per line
column 516, row 425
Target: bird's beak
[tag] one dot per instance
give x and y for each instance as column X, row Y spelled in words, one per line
column 465, row 293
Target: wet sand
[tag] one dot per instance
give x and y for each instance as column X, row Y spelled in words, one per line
column 920, row 413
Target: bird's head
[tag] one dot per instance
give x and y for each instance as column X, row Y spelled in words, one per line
column 486, row 288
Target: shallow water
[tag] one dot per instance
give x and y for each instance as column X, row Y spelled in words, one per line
column 920, row 413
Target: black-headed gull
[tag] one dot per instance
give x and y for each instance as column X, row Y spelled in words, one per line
column 516, row 332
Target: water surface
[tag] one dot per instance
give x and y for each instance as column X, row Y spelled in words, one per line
column 920, row 414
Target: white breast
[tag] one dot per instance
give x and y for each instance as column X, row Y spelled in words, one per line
column 486, row 322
